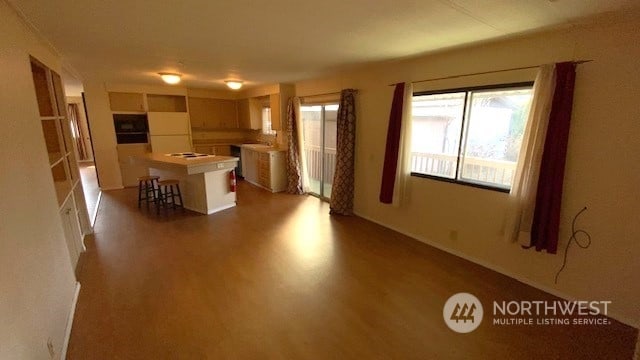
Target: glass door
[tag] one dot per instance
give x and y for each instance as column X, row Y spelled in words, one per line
column 320, row 131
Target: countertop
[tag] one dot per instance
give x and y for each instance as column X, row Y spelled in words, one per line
column 192, row 166
column 263, row 148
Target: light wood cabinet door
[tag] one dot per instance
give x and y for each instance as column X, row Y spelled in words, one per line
column 229, row 114
column 276, row 114
column 198, row 110
column 122, row 101
column 167, row 103
column 244, row 117
column 250, row 114
column 210, row 113
column 222, row 150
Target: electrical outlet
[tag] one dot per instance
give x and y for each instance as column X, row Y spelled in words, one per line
column 52, row 352
column 453, row 235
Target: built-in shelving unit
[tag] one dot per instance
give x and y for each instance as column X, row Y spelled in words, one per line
column 61, row 151
column 56, row 130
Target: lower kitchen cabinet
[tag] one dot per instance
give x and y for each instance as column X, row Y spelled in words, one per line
column 222, row 150
column 265, row 169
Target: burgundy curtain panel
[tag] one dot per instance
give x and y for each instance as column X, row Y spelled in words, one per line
column 546, row 218
column 393, row 146
column 343, row 178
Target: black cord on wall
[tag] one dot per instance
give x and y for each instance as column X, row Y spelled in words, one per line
column 574, row 238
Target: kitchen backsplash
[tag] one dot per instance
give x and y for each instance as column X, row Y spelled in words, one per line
column 243, row 136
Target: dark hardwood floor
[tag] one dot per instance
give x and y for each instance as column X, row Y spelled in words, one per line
column 278, row 278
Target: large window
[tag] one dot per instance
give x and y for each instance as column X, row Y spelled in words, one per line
column 470, row 136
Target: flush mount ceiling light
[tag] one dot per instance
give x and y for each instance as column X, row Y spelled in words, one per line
column 170, row 78
column 232, row 84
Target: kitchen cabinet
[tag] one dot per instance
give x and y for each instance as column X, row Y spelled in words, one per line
column 266, row 169
column 72, row 230
column 250, row 114
column 207, row 113
column 278, row 103
column 167, row 103
column 169, row 132
column 124, row 101
column 222, row 150
column 56, row 129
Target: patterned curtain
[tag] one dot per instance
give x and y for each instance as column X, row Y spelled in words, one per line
column 343, row 179
column 77, row 132
column 295, row 158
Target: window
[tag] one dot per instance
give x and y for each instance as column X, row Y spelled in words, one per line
column 470, row 136
column 266, row 122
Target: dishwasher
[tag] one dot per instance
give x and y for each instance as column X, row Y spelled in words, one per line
column 236, row 151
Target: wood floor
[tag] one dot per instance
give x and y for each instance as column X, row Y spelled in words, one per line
column 278, row 278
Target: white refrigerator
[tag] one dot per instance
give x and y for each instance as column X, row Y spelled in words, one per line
column 170, row 132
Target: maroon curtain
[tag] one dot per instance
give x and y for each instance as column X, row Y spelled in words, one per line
column 393, row 146
column 546, row 218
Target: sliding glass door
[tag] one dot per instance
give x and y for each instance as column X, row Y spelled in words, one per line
column 319, row 123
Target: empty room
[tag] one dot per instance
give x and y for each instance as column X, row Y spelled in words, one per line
column 437, row 179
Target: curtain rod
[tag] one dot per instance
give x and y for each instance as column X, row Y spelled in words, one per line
column 578, row 62
column 314, row 95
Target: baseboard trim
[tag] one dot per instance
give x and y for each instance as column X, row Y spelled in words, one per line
column 67, row 332
column 498, row 269
column 229, row 206
column 94, row 216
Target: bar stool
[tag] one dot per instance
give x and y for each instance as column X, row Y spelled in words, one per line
column 147, row 186
column 167, row 194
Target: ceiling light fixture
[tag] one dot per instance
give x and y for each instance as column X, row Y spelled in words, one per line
column 232, row 84
column 170, row 78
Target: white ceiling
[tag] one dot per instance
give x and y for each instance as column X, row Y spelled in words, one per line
column 259, row 41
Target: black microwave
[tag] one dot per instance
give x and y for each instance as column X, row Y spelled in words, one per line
column 131, row 128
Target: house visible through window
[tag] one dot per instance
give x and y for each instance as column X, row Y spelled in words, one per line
column 470, row 136
column 266, row 122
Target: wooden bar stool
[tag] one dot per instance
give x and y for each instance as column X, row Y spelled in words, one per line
column 168, row 191
column 147, row 186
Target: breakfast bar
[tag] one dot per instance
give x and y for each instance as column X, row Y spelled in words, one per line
column 204, row 179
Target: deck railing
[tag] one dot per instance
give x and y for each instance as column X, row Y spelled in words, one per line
column 489, row 171
column 314, row 163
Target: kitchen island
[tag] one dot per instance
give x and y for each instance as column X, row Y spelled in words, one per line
column 204, row 179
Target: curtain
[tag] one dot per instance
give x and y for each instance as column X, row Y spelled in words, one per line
column 546, row 219
column 343, row 179
column 297, row 179
column 397, row 161
column 522, row 197
column 403, row 171
column 392, row 148
column 536, row 194
column 77, row 133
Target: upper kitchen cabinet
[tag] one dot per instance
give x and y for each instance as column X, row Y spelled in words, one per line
column 126, row 101
column 278, row 104
column 167, row 103
column 215, row 114
column 250, row 113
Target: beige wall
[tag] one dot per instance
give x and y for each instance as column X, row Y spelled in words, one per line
column 602, row 171
column 36, row 280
